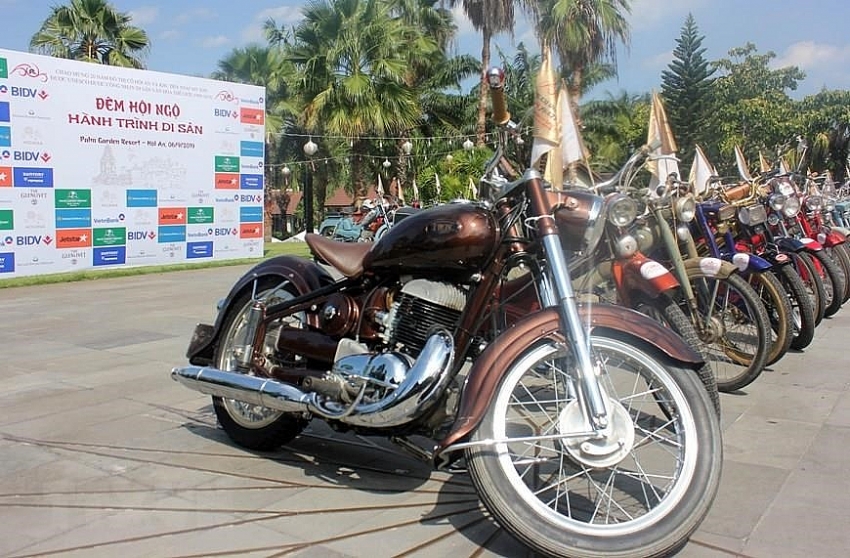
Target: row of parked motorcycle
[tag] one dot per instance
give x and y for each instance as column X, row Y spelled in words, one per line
column 744, row 270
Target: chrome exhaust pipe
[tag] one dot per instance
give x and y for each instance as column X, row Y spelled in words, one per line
column 264, row 392
column 421, row 388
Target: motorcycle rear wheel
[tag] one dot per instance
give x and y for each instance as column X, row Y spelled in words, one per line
column 805, row 268
column 839, row 254
column 833, row 281
column 252, row 426
column 802, row 306
column 562, row 497
column 775, row 300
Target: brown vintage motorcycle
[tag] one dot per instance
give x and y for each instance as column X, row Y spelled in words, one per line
column 584, row 428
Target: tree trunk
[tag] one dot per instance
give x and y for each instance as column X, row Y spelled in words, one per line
column 359, row 149
column 575, row 92
column 481, row 125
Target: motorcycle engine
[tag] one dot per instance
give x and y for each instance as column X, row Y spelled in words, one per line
column 420, row 307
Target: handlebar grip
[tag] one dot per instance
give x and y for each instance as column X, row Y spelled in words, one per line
column 496, row 80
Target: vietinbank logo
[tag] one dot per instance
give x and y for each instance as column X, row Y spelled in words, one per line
column 250, row 214
column 5, row 136
column 252, row 149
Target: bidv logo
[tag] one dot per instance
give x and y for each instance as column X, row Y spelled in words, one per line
column 27, row 92
column 251, row 198
column 226, row 113
column 28, row 156
column 141, row 235
column 33, row 240
column 223, row 231
column 8, row 241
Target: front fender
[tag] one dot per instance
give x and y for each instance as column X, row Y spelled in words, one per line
column 489, row 368
column 305, row 275
column 749, row 263
column 640, row 274
column 713, row 267
column 788, row 244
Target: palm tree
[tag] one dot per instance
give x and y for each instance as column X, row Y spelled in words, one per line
column 92, row 31
column 490, row 17
column 352, row 58
column 583, row 33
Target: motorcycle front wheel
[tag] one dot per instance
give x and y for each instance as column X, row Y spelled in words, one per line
column 641, row 489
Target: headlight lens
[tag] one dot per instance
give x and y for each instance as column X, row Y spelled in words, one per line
column 776, row 201
column 752, row 215
column 622, row 210
column 791, row 207
column 686, row 208
column 814, row 203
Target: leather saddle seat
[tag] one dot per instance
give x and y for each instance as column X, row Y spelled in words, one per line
column 345, row 257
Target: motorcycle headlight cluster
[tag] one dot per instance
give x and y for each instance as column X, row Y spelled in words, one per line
column 814, row 203
column 686, row 208
column 791, row 206
column 622, row 210
column 752, row 215
column 829, row 203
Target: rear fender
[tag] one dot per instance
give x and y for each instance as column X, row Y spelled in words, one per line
column 831, row 238
column 489, row 368
column 305, row 276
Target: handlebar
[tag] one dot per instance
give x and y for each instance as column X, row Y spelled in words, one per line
column 496, row 80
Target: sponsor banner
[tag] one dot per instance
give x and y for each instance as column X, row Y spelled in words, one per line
column 102, row 166
column 73, row 218
column 250, row 214
column 251, row 230
column 251, row 182
column 141, row 198
column 73, row 238
column 7, row 220
column 171, row 233
column 226, row 163
column 109, row 237
column 109, row 256
column 31, row 177
column 7, row 262
column 5, row 177
column 72, row 199
column 199, row 250
column 252, row 149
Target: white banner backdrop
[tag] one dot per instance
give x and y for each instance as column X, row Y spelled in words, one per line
column 106, row 167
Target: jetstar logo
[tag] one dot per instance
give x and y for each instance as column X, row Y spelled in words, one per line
column 251, row 230
column 226, row 181
column 252, row 116
column 5, row 177
column 172, row 215
column 73, row 238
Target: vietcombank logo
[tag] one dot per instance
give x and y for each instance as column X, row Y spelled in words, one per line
column 73, row 199
column 200, row 215
column 4, row 68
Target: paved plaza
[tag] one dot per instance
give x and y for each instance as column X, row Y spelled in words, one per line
column 102, row 454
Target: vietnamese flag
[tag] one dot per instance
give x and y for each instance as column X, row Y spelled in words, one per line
column 226, row 181
column 251, row 230
column 252, row 116
column 5, row 177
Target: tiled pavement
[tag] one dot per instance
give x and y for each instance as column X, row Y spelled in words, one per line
column 101, row 454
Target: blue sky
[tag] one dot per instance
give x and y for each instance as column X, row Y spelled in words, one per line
column 190, row 36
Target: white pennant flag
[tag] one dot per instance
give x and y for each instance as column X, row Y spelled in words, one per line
column 415, row 191
column 660, row 136
column 439, row 187
column 701, row 171
column 546, row 133
column 572, row 145
column 473, row 190
column 743, row 167
column 380, row 188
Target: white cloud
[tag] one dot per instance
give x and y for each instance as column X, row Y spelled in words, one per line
column 144, row 15
column 809, row 55
column 282, row 15
column 216, row 41
column 658, row 62
column 650, row 14
column 170, row 34
column 197, row 14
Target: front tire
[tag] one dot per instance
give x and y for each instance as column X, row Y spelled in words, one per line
column 252, row 426
column 560, row 496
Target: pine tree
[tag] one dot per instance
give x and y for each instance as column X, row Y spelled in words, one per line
column 686, row 89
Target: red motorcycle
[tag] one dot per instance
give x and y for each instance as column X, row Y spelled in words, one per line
column 585, row 428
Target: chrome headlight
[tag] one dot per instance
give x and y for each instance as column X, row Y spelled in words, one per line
column 622, row 210
column 776, row 201
column 814, row 203
column 752, row 215
column 686, row 208
column 791, row 207
column 829, row 203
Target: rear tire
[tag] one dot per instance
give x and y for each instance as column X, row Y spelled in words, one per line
column 779, row 312
column 562, row 498
column 805, row 268
column 833, row 282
